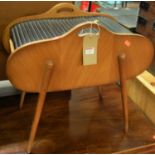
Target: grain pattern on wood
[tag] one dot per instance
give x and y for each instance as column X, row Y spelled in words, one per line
column 25, row 66
column 142, row 92
column 76, row 125
column 123, row 80
column 150, row 148
column 40, row 104
column 25, row 73
column 67, row 58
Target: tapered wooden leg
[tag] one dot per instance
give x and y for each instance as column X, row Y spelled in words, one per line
column 122, row 72
column 100, row 92
column 22, row 97
column 40, row 104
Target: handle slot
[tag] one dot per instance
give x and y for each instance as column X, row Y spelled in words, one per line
column 62, row 10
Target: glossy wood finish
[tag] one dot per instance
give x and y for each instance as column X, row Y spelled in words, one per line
column 123, row 81
column 44, row 87
column 18, row 9
column 21, row 66
column 25, row 73
column 40, row 104
column 25, row 67
column 145, row 149
column 80, row 124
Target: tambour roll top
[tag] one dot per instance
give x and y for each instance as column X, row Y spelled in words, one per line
column 56, row 35
column 34, row 30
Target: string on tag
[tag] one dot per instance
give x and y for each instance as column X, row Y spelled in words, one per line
column 96, row 22
column 90, row 30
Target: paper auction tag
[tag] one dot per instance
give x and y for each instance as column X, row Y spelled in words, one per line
column 90, row 49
